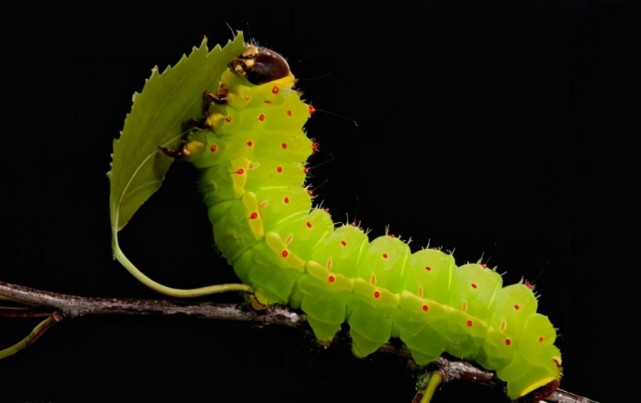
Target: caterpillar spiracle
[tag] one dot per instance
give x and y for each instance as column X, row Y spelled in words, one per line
column 252, row 150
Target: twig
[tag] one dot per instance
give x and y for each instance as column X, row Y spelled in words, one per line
column 72, row 306
column 56, row 307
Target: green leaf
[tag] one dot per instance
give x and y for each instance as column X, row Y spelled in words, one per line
column 167, row 100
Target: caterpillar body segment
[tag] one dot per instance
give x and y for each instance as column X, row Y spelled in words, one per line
column 253, row 157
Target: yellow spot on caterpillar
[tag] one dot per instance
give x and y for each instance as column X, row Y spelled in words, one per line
column 372, row 279
column 536, row 385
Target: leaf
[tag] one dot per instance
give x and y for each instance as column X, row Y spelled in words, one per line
column 138, row 167
column 167, row 100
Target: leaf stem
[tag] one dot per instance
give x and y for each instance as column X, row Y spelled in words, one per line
column 172, row 292
column 432, row 384
column 37, row 331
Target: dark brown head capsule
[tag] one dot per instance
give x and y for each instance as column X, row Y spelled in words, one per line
column 260, row 65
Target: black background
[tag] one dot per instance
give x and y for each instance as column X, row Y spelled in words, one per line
column 503, row 131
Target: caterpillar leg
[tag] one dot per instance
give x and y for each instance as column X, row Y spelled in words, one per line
column 213, row 98
column 209, row 99
column 256, row 305
column 181, row 152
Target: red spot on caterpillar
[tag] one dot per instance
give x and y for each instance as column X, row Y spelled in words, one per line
column 474, row 286
column 376, row 294
column 239, row 171
column 516, row 307
column 385, row 255
column 343, row 243
column 250, row 143
column 508, row 341
column 261, row 117
column 483, row 265
column 306, row 170
column 284, row 253
column 425, row 308
column 311, row 109
column 275, row 90
column 286, row 200
column 529, row 284
column 253, row 216
column 228, row 119
column 310, row 192
column 284, row 146
column 469, row 323
column 308, row 224
column 213, row 148
column 428, row 268
column 503, row 326
column 541, row 339
column 315, row 147
column 289, row 112
column 279, row 169
column 331, row 278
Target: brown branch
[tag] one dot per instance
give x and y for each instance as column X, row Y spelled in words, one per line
column 56, row 307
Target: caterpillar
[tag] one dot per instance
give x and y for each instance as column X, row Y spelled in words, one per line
column 252, row 148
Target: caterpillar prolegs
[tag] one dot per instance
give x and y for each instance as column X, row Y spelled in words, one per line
column 252, row 150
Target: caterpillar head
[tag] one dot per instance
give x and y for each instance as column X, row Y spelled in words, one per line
column 260, row 65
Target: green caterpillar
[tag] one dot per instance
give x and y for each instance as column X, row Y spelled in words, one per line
column 252, row 150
